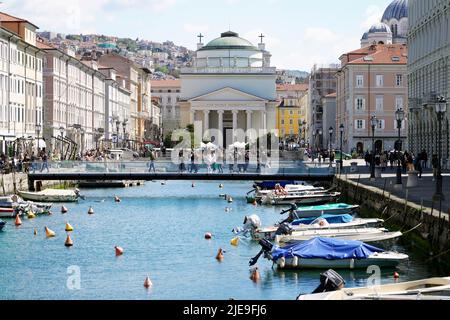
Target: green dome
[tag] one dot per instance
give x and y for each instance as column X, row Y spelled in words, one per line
column 229, row 40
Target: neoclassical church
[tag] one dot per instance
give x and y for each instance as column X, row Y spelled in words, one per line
column 392, row 28
column 231, row 85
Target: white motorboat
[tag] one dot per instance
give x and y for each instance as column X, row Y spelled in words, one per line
column 425, row 289
column 51, row 195
column 357, row 234
column 257, row 233
column 324, row 253
column 12, row 205
column 301, row 198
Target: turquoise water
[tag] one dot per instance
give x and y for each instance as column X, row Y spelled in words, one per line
column 161, row 229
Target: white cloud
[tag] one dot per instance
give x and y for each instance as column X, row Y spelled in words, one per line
column 373, row 15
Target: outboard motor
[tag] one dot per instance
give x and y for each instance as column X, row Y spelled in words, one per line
column 284, row 230
column 252, row 222
column 266, row 248
column 330, row 281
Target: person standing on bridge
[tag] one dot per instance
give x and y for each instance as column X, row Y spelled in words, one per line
column 151, row 165
column 44, row 161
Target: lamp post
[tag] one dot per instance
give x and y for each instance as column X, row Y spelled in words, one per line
column 330, row 131
column 304, row 133
column 117, row 131
column 441, row 109
column 124, row 124
column 374, row 123
column 341, row 129
column 61, row 130
column 399, row 116
column 38, row 131
column 319, row 140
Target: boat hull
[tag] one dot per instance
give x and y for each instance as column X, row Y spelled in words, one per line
column 48, row 198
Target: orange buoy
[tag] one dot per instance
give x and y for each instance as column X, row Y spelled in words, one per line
column 255, row 203
column 64, row 210
column 18, row 221
column 255, row 277
column 69, row 242
column 91, row 210
column 220, row 255
column 49, row 233
column 119, row 251
column 148, row 283
column 208, row 236
column 396, row 275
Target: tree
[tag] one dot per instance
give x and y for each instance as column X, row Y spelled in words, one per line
column 163, row 69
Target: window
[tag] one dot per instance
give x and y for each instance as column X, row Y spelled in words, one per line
column 398, row 102
column 381, row 124
column 359, row 81
column 399, row 80
column 380, row 80
column 291, row 122
column 360, row 124
column 360, row 103
column 282, row 121
column 380, row 103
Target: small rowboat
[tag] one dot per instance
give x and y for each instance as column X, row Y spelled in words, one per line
column 425, row 289
column 51, row 195
column 360, row 234
column 325, row 253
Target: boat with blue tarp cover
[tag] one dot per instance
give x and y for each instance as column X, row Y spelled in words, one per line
column 322, row 253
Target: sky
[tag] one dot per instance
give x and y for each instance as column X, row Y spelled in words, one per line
column 299, row 33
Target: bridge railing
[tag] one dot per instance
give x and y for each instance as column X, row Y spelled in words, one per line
column 163, row 167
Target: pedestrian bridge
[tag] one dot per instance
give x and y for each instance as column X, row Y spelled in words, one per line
column 139, row 170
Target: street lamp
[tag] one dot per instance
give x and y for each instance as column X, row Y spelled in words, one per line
column 319, row 140
column 341, row 129
column 62, row 130
column 117, row 130
column 124, row 124
column 330, row 131
column 441, row 109
column 399, row 116
column 374, row 123
column 38, row 131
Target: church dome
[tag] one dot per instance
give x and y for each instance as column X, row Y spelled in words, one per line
column 380, row 28
column 398, row 9
column 229, row 41
column 365, row 36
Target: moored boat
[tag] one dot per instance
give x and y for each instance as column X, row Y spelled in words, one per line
column 51, row 195
column 301, row 198
column 299, row 212
column 323, row 253
column 12, row 205
column 425, row 289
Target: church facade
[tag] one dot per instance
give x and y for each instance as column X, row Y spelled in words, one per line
column 229, row 88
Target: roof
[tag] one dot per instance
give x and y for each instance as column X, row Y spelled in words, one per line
column 229, row 40
column 390, row 54
column 166, row 83
column 398, row 9
column 380, row 27
column 293, row 87
column 4, row 17
column 331, row 95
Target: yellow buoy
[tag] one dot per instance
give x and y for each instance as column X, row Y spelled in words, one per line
column 31, row 215
column 69, row 242
column 69, row 228
column 91, row 210
column 235, row 242
column 49, row 233
column 148, row 283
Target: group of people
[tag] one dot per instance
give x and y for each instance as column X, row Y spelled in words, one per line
column 25, row 162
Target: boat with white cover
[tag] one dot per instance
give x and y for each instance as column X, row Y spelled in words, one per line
column 303, row 198
column 325, row 253
column 425, row 289
column 52, row 195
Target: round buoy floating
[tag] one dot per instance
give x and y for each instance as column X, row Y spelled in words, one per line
column 69, row 242
column 91, row 210
column 230, row 199
column 220, row 256
column 396, row 275
column 193, row 185
column 220, row 186
column 31, row 215
column 119, row 251
column 235, row 242
column 18, row 221
column 117, row 199
column 64, row 210
column 69, row 228
column 148, row 283
column 49, row 233
column 255, row 277
column 208, row 236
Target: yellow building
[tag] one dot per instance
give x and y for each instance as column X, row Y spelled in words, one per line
column 291, row 117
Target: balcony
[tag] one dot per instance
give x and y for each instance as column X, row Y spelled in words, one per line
column 227, row 70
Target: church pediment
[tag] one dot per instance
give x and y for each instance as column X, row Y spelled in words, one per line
column 228, row 94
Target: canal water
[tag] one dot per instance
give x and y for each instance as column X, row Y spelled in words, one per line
column 161, row 228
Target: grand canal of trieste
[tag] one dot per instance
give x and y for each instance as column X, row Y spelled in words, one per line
column 161, row 227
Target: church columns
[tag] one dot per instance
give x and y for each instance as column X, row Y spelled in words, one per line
column 249, row 124
column 263, row 120
column 206, row 120
column 235, row 124
column 220, row 112
column 192, row 117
